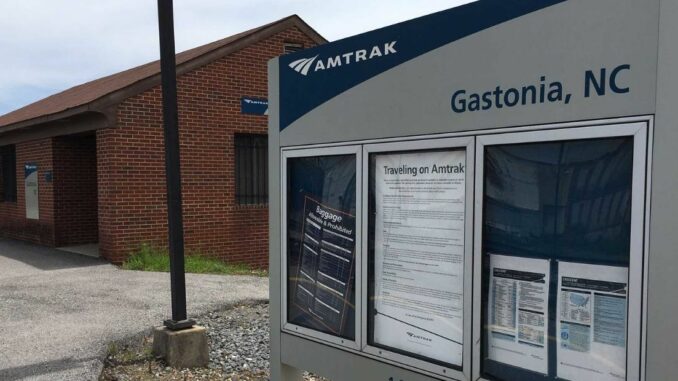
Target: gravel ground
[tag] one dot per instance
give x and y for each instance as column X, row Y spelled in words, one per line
column 239, row 351
column 239, row 338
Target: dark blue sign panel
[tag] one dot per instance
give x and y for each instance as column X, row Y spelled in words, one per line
column 313, row 76
column 254, row 106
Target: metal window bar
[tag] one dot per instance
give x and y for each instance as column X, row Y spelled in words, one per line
column 251, row 169
column 8, row 181
column 292, row 47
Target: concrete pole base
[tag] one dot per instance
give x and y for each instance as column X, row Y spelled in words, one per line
column 187, row 348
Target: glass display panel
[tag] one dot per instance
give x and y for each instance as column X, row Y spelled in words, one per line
column 556, row 251
column 321, row 243
column 416, row 252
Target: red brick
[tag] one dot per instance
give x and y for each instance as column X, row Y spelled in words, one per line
column 130, row 172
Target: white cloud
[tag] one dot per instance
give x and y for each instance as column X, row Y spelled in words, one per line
column 48, row 46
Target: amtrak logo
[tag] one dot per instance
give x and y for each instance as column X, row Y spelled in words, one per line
column 415, row 336
column 305, row 66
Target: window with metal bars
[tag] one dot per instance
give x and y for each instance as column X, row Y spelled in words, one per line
column 8, row 173
column 251, row 169
column 292, row 47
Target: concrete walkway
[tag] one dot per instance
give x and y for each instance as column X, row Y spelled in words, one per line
column 60, row 310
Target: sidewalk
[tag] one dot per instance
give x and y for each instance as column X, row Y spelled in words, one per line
column 60, row 310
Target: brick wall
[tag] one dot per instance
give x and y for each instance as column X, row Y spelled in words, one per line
column 75, row 190
column 131, row 182
column 13, row 221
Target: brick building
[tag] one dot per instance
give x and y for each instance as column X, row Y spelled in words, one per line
column 85, row 168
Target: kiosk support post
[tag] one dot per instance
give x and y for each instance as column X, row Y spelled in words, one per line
column 179, row 319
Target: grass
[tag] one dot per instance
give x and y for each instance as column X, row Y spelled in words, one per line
column 149, row 258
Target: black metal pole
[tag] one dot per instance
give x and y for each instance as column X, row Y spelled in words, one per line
column 172, row 167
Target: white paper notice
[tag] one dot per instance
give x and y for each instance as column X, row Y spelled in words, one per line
column 591, row 324
column 518, row 312
column 419, row 253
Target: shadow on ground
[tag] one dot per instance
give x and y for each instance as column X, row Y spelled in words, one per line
column 44, row 258
column 43, row 368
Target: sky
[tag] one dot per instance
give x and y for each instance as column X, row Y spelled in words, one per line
column 47, row 46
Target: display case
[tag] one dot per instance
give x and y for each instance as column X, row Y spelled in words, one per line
column 559, row 253
column 496, row 256
column 321, row 244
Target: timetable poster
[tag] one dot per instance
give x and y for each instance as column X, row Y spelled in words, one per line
column 420, row 201
column 517, row 312
column 592, row 319
column 326, row 266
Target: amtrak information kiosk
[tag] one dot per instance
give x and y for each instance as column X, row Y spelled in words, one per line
column 484, row 193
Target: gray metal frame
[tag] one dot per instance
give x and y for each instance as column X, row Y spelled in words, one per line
column 474, row 142
column 638, row 252
column 468, row 145
column 646, row 248
column 293, row 328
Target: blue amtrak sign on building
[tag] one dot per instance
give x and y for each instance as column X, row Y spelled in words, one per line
column 254, row 106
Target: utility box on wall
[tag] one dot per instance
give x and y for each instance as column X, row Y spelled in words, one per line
column 485, row 193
